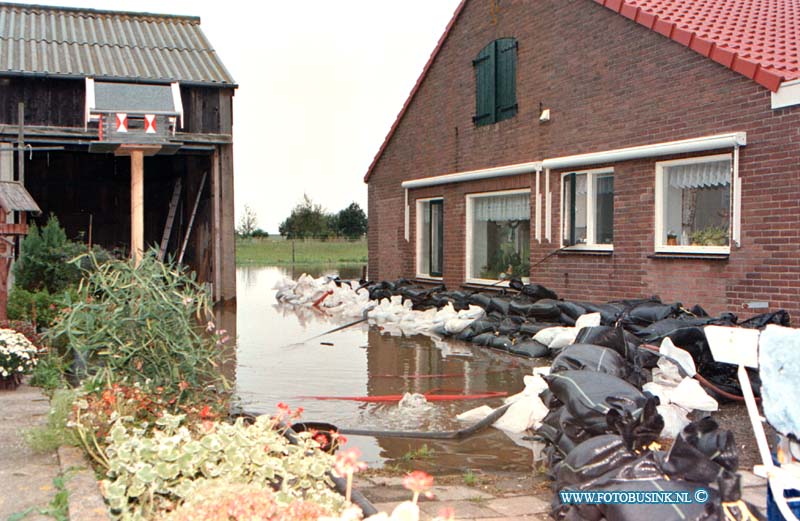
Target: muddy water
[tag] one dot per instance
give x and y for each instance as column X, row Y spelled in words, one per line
column 277, row 363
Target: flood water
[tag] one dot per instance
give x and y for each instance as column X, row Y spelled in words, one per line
column 277, row 363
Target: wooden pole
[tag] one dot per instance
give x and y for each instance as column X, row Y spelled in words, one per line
column 137, row 205
column 21, row 143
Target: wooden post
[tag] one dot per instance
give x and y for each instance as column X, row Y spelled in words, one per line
column 21, row 143
column 137, row 205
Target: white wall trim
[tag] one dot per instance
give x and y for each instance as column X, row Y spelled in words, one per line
column 591, row 205
column 538, row 218
column 640, row 152
column 788, row 94
column 474, row 175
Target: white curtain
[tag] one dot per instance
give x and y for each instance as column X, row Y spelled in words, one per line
column 700, row 175
column 605, row 185
column 515, row 207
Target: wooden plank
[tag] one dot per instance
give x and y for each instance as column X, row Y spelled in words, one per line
column 137, row 205
column 216, row 264
column 69, row 133
column 227, row 224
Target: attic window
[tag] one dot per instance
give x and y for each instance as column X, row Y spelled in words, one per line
column 134, row 100
column 496, row 82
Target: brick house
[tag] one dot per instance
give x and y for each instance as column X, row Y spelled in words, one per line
column 606, row 149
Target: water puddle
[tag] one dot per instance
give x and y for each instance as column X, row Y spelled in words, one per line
column 275, row 365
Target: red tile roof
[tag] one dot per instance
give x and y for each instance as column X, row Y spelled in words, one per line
column 757, row 38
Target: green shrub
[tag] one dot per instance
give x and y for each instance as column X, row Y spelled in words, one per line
column 141, row 324
column 40, row 308
column 42, row 262
column 55, row 434
column 148, row 474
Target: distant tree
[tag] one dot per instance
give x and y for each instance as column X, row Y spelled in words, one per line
column 247, row 225
column 306, row 220
column 351, row 222
column 259, row 233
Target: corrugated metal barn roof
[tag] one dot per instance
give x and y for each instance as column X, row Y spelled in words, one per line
column 56, row 41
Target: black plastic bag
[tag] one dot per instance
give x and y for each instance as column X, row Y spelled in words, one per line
column 530, row 348
column 591, row 358
column 780, row 317
column 571, row 309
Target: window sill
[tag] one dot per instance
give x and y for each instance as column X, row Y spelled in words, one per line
column 489, row 283
column 595, row 249
column 693, row 250
column 690, row 255
column 428, row 278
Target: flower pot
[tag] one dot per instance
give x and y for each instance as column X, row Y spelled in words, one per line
column 672, row 241
column 10, row 382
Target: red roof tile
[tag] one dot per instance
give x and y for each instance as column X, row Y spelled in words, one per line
column 756, row 38
column 759, row 39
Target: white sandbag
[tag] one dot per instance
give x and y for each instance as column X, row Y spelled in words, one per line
column 690, row 395
column 475, row 415
column 659, row 390
column 681, row 356
column 564, row 338
column 455, row 326
column 587, row 320
column 547, row 335
column 667, row 373
column 675, row 420
column 522, row 415
column 474, row 312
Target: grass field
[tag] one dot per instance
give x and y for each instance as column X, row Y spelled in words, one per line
column 278, row 251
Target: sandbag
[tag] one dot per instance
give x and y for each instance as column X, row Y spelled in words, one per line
column 571, row 309
column 499, row 304
column 591, row 358
column 588, row 396
column 480, row 299
column 780, row 317
column 500, row 342
column 531, row 328
column 484, row 339
column 530, row 348
column 609, row 313
column 591, row 459
column 533, row 310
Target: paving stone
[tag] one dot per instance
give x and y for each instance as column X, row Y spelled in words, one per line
column 26, row 477
column 756, row 496
column 387, row 481
column 457, row 493
column 85, row 501
column 519, row 506
column 751, row 480
column 385, row 494
column 462, row 509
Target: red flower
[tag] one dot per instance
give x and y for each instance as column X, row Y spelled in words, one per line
column 446, row 514
column 347, row 462
column 205, row 412
column 419, row 482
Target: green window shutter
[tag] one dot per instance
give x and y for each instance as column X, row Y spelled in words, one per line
column 485, row 92
column 506, row 78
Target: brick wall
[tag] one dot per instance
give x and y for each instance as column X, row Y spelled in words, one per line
column 609, row 83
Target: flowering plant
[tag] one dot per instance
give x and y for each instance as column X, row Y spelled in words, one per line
column 17, row 354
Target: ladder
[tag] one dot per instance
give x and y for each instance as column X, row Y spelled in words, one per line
column 191, row 218
column 173, row 206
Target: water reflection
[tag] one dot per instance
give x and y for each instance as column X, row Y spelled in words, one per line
column 277, row 363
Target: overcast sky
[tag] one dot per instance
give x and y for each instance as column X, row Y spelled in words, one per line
column 320, row 84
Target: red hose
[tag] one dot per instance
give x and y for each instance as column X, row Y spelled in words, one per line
column 431, row 397
column 323, row 297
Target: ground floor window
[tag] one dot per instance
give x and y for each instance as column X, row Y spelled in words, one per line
column 430, row 237
column 588, row 209
column 498, row 235
column 693, row 204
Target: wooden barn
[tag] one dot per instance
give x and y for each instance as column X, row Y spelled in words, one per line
column 120, row 124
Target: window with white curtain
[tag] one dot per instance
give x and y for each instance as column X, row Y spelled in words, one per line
column 498, row 235
column 587, row 212
column 430, row 237
column 693, row 204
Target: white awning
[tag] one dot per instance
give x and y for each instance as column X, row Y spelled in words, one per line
column 514, row 207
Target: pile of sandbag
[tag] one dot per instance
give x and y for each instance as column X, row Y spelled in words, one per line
column 530, row 320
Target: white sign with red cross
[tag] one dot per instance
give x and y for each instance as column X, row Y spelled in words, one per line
column 149, row 124
column 122, row 122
